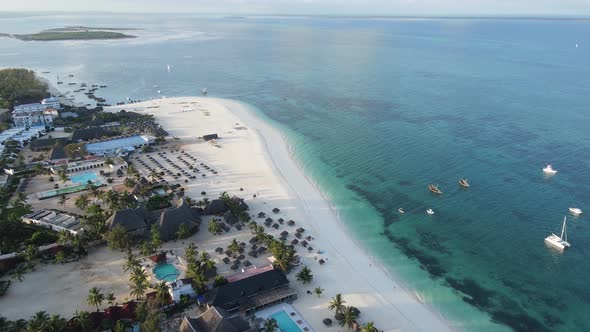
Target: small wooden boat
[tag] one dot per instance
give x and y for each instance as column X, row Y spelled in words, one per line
column 434, row 189
column 400, row 210
column 463, row 183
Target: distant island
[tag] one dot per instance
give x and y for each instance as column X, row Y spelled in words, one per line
column 73, row 33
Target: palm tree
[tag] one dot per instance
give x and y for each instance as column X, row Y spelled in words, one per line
column 145, row 249
column 156, row 241
column 55, row 324
column 131, row 262
column 304, row 275
column 18, row 274
column 139, row 282
column 20, row 200
column 95, row 297
column 234, row 247
column 60, row 257
column 83, row 321
column 112, row 199
column 64, row 237
column 63, row 174
column 94, row 192
column 349, row 317
column 190, row 253
column 370, row 327
column 183, row 231
column 38, row 321
column 82, row 202
column 337, row 304
column 270, row 325
column 111, row 298
column 318, row 291
column 120, row 326
column 213, row 227
column 162, row 295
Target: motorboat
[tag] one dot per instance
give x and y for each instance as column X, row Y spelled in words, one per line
column 434, row 189
column 559, row 242
column 430, row 211
column 463, row 183
column 549, row 169
column 575, row 211
column 400, row 210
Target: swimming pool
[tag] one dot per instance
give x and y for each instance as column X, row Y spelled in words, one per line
column 166, row 272
column 285, row 322
column 83, row 178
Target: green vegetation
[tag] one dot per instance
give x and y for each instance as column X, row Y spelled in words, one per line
column 40, row 321
column 305, row 275
column 71, row 35
column 20, row 86
column 95, row 297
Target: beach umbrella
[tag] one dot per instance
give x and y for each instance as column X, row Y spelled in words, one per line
column 234, row 267
column 281, row 220
column 294, row 241
column 226, row 260
column 327, row 322
column 284, row 233
column 298, row 235
column 276, row 210
column 261, row 215
column 254, row 246
column 275, row 226
column 309, row 248
column 308, row 238
column 290, row 222
column 252, row 253
column 254, row 239
column 300, row 230
column 282, row 238
column 304, row 243
column 219, row 250
column 268, row 220
column 247, row 263
column 242, row 244
column 321, row 261
column 241, row 257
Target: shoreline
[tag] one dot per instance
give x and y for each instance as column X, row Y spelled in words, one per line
column 379, row 295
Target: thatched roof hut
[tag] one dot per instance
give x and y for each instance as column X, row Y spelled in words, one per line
column 216, row 206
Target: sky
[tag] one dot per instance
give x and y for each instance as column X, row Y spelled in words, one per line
column 315, row 7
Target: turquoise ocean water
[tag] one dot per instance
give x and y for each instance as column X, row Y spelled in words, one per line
column 377, row 108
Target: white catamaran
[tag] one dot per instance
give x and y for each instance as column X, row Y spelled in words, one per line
column 559, row 242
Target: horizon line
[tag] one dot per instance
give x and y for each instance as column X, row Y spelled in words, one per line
column 237, row 15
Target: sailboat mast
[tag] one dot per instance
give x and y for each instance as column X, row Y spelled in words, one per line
column 563, row 229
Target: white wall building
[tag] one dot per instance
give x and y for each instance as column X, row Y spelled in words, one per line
column 32, row 119
column 180, row 287
column 51, row 102
column 54, row 220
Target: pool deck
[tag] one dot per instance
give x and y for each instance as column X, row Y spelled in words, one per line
column 293, row 314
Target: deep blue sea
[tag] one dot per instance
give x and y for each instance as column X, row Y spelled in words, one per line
column 378, row 108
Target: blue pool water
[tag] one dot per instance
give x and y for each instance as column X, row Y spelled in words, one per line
column 83, row 178
column 286, row 324
column 166, row 272
column 115, row 144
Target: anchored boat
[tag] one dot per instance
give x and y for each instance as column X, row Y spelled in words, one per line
column 559, row 242
column 549, row 169
column 400, row 210
column 463, row 183
column 575, row 211
column 430, row 211
column 434, row 189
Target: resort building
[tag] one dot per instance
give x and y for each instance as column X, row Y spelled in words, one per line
column 119, row 146
column 181, row 287
column 54, row 220
column 253, row 293
column 215, row 320
column 137, row 222
column 21, row 135
column 32, row 119
column 51, row 102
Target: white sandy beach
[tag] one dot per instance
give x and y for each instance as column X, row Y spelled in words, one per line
column 251, row 154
